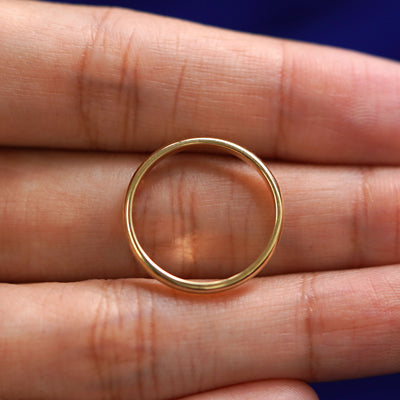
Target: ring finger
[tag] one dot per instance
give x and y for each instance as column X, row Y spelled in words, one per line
column 199, row 216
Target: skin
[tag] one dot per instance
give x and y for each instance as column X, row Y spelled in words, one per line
column 85, row 93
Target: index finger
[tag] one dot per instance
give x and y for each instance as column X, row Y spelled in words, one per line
column 111, row 79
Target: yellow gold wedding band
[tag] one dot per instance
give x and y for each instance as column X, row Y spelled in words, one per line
column 194, row 286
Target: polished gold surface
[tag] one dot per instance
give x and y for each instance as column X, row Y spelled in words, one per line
column 192, row 285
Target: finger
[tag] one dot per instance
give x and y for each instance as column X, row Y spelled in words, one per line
column 197, row 216
column 79, row 77
column 264, row 390
column 139, row 339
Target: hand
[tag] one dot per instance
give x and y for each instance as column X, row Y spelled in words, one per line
column 110, row 85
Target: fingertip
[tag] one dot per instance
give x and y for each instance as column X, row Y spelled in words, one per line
column 280, row 389
column 291, row 390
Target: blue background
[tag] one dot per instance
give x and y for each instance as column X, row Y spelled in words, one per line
column 370, row 26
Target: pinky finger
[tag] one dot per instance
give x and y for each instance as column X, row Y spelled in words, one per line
column 262, row 390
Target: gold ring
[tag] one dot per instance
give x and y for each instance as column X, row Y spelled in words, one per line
column 191, row 285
